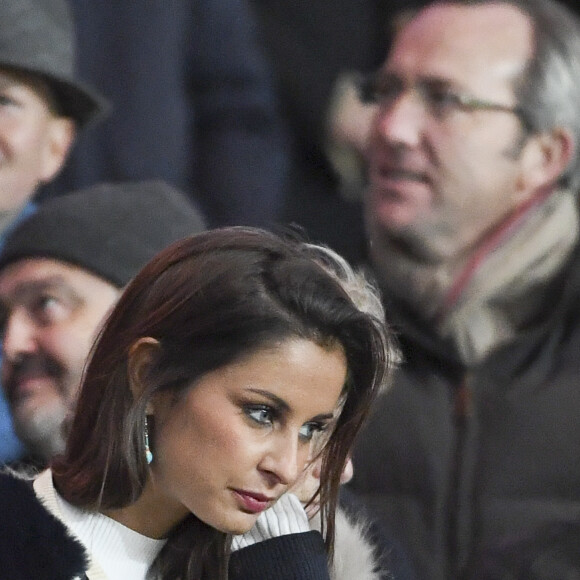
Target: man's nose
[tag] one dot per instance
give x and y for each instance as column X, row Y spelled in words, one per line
column 401, row 121
column 19, row 335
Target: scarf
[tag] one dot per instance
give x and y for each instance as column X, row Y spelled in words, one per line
column 501, row 289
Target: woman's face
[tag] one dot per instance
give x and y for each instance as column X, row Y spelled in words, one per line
column 234, row 442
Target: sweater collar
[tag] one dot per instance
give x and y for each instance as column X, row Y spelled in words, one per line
column 109, row 542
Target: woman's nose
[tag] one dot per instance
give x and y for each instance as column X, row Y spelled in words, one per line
column 285, row 458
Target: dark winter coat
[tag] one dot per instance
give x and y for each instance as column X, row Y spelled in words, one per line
column 459, row 464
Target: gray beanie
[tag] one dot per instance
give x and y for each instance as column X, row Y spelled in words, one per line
column 110, row 229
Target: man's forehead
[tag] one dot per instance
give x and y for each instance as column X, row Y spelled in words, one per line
column 471, row 45
column 36, row 273
column 11, row 77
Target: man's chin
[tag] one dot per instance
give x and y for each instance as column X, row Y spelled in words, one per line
column 417, row 241
column 26, row 408
column 40, row 428
column 395, row 217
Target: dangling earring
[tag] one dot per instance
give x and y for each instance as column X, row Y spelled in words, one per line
column 148, row 454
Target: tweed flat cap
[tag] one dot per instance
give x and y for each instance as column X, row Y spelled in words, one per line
column 37, row 37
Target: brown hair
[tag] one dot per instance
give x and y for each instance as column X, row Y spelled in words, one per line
column 209, row 300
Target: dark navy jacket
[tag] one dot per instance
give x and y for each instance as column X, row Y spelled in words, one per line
column 193, row 104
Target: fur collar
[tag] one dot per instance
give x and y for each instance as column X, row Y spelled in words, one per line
column 33, row 543
column 354, row 554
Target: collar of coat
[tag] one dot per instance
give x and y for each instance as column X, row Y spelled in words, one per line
column 33, row 543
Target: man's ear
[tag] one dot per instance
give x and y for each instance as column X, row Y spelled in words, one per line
column 60, row 135
column 544, row 159
column 142, row 354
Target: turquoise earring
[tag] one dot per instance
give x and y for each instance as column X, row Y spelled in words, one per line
column 148, row 454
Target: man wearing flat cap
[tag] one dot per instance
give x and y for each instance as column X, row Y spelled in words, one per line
column 41, row 108
column 41, row 104
column 61, row 270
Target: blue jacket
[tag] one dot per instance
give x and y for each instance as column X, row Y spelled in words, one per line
column 11, row 448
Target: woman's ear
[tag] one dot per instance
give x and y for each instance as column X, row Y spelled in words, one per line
column 142, row 354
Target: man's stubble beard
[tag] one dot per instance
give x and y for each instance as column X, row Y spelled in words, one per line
column 42, row 433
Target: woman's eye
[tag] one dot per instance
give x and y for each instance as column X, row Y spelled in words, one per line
column 261, row 414
column 308, row 430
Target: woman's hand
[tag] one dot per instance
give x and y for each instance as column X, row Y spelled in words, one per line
column 309, row 482
column 286, row 516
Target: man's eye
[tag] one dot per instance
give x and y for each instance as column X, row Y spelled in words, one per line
column 3, row 321
column 6, row 101
column 441, row 102
column 47, row 309
column 379, row 90
column 385, row 93
column 261, row 414
column 44, row 303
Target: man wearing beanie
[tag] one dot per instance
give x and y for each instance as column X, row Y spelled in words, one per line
column 61, row 270
column 42, row 106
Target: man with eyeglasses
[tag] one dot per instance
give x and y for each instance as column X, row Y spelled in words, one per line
column 471, row 210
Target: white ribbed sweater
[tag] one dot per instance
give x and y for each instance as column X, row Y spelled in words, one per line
column 115, row 551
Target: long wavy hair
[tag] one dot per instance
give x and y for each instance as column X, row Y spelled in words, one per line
column 209, row 300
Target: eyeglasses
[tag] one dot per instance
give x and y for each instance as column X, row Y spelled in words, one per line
column 439, row 99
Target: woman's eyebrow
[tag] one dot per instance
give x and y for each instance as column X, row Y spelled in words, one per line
column 282, row 405
column 278, row 402
column 323, row 417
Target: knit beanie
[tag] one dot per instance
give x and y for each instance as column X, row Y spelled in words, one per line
column 111, row 229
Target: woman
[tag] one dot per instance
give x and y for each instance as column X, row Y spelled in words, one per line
column 229, row 358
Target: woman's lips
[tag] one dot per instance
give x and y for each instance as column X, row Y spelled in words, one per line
column 252, row 502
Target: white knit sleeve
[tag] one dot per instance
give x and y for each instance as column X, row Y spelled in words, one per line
column 286, row 516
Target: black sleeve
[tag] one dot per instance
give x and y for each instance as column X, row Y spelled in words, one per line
column 290, row 557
